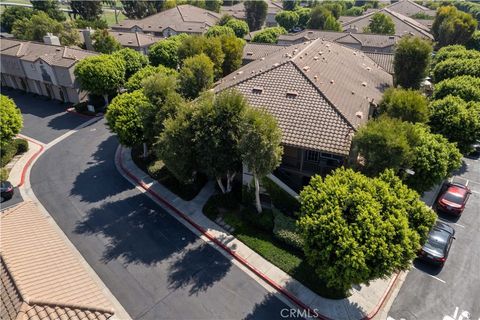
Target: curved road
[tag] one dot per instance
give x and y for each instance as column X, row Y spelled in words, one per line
column 155, row 266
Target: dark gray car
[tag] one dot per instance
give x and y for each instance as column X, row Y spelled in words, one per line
column 436, row 248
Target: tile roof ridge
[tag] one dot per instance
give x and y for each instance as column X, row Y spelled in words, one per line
column 138, row 39
column 4, row 265
column 71, row 306
column 417, row 4
column 180, row 11
column 360, row 18
column 324, row 96
column 9, row 210
column 299, row 54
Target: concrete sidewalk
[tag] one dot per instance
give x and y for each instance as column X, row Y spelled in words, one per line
column 364, row 303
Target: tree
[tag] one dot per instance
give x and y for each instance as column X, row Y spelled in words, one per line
column 457, row 120
column 50, row 7
column 388, row 143
column 135, row 81
column 380, row 24
column 196, row 75
column 134, row 61
column 101, row 75
column 321, row 18
column 103, row 42
column 451, row 68
column 12, row 14
column 12, row 121
column 269, row 35
column 289, row 5
column 138, row 9
column 465, row 87
column 303, row 16
column 287, row 19
column 411, row 60
column 224, row 19
column 354, row 12
column 94, row 24
column 217, row 31
column 406, row 105
column 332, row 24
column 260, row 147
column 212, row 47
column 239, row 27
column 219, row 121
column 357, row 229
column 452, row 26
column 165, row 52
column 124, row 119
column 40, row 24
column 87, row 10
column 213, row 5
column 256, row 13
column 458, row 52
column 232, row 47
column 474, row 42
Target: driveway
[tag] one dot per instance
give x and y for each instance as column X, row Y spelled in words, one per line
column 43, row 119
column 453, row 292
column 154, row 265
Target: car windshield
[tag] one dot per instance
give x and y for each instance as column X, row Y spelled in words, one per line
column 437, row 242
column 454, row 197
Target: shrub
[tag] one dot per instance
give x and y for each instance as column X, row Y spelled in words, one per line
column 465, row 87
column 21, row 145
column 269, row 35
column 456, row 67
column 280, row 198
column 285, row 230
column 455, row 52
column 263, row 221
column 7, row 152
column 3, row 174
column 210, row 209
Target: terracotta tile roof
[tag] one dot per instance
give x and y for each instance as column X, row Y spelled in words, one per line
column 54, row 55
column 253, row 51
column 363, row 39
column 409, row 8
column 403, row 25
column 320, row 92
column 384, row 60
column 40, row 271
column 238, row 10
column 183, row 18
column 134, row 39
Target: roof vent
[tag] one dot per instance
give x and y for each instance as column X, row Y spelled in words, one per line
column 359, row 114
column 353, row 92
column 189, row 28
column 249, row 53
column 327, row 45
column 315, row 77
column 149, row 26
column 257, row 90
column 240, row 72
column 310, row 32
column 58, row 49
column 332, row 81
column 301, row 57
column 391, row 38
column 368, row 68
column 262, row 58
column 120, row 34
column 364, row 84
column 315, row 58
column 276, row 64
column 130, row 42
column 292, row 94
column 306, row 68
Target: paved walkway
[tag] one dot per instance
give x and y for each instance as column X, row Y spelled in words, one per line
column 364, row 303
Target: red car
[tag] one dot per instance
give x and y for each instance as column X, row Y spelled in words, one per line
column 453, row 199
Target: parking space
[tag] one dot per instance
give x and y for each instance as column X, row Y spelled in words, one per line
column 44, row 120
column 452, row 292
column 17, row 198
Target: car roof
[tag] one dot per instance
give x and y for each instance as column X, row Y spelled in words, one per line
column 457, row 189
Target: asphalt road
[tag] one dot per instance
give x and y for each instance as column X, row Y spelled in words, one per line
column 155, row 266
column 453, row 292
column 43, row 119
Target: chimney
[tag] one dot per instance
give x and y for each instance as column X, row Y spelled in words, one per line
column 51, row 39
column 87, row 38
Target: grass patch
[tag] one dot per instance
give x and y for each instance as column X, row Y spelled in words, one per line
column 287, row 258
column 158, row 171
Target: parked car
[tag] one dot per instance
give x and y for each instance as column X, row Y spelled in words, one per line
column 453, row 199
column 6, row 189
column 436, row 248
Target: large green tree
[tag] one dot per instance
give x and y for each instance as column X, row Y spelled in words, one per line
column 289, row 4
column 101, row 75
column 239, row 27
column 303, row 16
column 134, row 61
column 269, row 35
column 452, row 26
column 12, row 121
column 212, row 47
column 321, row 18
column 232, row 47
column 12, row 14
column 406, row 105
column 213, row 5
column 388, row 143
column 138, row 9
column 50, row 7
column 458, row 52
column 256, row 13
column 87, row 10
column 411, row 61
column 457, row 120
column 196, row 75
column 260, row 147
column 135, row 81
column 465, row 87
column 287, row 19
column 104, row 42
column 380, row 24
column 217, row 31
column 453, row 67
column 165, row 52
column 357, row 229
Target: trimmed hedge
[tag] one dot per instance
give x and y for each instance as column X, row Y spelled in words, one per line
column 286, row 231
column 3, row 174
column 11, row 150
column 22, row 145
column 451, row 68
column 280, row 198
column 455, row 52
column 465, row 87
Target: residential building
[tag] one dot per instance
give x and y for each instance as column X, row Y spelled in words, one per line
column 403, row 25
column 320, row 93
column 253, row 51
column 135, row 40
column 411, row 9
column 238, row 11
column 41, row 278
column 43, row 69
column 181, row 19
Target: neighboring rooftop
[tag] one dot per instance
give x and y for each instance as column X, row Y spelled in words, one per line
column 53, row 55
column 409, row 8
column 183, row 18
column 384, row 60
column 403, row 25
column 253, row 51
column 238, row 10
column 41, row 278
column 320, row 92
column 134, row 39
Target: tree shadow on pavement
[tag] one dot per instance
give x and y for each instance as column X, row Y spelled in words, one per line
column 66, row 121
column 194, row 269
column 101, row 164
column 38, row 106
column 137, row 229
column 271, row 308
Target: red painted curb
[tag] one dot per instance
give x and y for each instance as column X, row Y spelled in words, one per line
column 237, row 257
column 29, row 162
column 73, row 111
